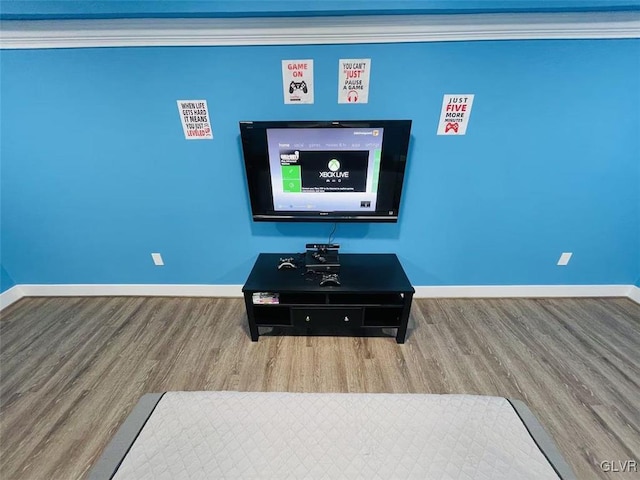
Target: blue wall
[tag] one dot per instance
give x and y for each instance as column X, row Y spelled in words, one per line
column 96, row 173
column 6, row 282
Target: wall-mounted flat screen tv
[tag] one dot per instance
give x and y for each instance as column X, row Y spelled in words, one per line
column 332, row 171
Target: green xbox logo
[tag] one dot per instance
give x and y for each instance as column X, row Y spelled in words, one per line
column 334, row 165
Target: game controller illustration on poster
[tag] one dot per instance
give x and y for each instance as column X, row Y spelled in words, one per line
column 293, row 86
column 297, row 81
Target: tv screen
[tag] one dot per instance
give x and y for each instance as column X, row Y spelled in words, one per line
column 325, row 171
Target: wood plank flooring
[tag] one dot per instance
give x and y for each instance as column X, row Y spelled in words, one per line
column 71, row 369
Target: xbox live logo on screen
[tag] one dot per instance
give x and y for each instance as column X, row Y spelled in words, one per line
column 334, row 166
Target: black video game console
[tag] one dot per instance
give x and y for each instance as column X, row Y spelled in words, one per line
column 322, row 258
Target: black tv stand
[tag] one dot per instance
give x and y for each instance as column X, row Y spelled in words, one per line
column 374, row 294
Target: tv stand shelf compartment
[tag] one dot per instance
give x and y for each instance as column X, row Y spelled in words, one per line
column 375, row 293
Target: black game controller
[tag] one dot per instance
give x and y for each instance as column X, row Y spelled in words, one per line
column 286, row 263
column 330, row 279
column 298, row 86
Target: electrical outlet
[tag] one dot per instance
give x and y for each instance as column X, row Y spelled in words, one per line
column 157, row 259
column 564, row 258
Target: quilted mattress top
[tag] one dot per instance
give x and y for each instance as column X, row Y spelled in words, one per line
column 205, row 435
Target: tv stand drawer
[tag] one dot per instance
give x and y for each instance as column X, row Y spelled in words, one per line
column 321, row 317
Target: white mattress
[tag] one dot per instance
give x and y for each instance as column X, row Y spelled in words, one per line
column 206, row 435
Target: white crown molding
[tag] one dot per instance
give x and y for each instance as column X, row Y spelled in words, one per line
column 10, row 296
column 20, row 34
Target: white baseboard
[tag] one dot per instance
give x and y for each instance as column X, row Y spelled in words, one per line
column 521, row 291
column 114, row 290
column 10, row 296
column 471, row 291
column 634, row 293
